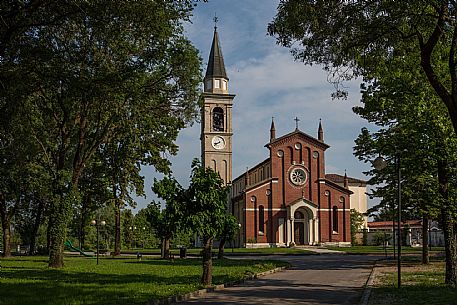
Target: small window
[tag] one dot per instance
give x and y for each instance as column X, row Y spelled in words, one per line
column 209, row 84
column 335, row 219
column 261, row 219
column 217, row 83
column 224, row 84
column 218, row 119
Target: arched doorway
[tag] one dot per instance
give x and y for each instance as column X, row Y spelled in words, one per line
column 301, row 227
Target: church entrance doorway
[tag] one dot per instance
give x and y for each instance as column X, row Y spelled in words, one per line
column 301, row 228
column 299, row 233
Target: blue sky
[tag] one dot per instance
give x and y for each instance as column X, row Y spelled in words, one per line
column 267, row 83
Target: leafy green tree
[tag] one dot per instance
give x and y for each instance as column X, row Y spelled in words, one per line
column 228, row 233
column 354, row 38
column 144, row 233
column 168, row 221
column 373, row 39
column 23, row 182
column 418, row 130
column 89, row 71
column 206, row 207
column 357, row 221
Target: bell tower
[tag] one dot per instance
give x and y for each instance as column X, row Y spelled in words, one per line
column 216, row 129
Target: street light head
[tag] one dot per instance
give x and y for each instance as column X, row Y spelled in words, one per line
column 379, row 163
column 103, row 222
column 93, row 222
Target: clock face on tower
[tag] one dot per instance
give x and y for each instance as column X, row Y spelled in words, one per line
column 218, row 142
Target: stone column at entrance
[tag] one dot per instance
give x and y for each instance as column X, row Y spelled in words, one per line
column 311, row 232
column 292, row 231
column 316, row 230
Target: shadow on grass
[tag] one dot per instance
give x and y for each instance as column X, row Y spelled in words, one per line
column 114, row 281
column 414, row 294
column 47, row 286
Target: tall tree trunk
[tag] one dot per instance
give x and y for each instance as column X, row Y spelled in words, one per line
column 117, row 226
column 59, row 217
column 85, row 211
column 6, row 237
column 425, row 254
column 447, row 223
column 166, row 248
column 207, row 276
column 5, row 218
column 36, row 226
column 220, row 254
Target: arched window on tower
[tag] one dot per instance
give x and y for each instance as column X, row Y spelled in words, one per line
column 335, row 219
column 218, row 119
column 261, row 219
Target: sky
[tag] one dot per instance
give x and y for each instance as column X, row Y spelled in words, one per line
column 267, row 83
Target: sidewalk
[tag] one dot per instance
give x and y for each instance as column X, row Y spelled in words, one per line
column 313, row 279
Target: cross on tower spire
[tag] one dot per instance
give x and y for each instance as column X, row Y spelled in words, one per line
column 215, row 19
column 296, row 123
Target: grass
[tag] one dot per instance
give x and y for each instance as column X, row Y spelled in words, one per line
column 28, row 280
column 380, row 249
column 421, row 284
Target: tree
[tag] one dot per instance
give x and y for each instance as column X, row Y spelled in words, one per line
column 206, row 207
column 357, row 221
column 373, row 39
column 94, row 70
column 166, row 222
column 228, row 233
column 418, row 130
column 352, row 38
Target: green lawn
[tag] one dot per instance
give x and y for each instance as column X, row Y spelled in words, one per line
column 28, row 280
column 420, row 285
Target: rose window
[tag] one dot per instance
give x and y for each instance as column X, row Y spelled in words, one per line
column 298, row 176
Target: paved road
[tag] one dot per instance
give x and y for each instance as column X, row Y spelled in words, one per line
column 314, row 279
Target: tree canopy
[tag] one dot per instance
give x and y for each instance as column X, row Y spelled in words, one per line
column 91, row 74
column 354, row 38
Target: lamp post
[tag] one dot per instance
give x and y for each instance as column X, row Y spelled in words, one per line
column 97, row 223
column 380, row 163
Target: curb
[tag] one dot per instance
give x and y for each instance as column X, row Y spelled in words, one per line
column 368, row 286
column 204, row 291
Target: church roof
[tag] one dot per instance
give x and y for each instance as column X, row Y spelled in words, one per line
column 336, row 186
column 300, row 133
column 340, row 180
column 216, row 67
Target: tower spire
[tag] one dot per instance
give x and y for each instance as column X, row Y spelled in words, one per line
column 320, row 132
column 216, row 67
column 272, row 130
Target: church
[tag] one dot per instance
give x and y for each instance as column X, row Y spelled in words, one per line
column 285, row 200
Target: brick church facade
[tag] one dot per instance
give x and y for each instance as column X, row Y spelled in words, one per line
column 287, row 200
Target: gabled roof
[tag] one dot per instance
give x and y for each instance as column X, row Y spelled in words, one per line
column 302, row 134
column 267, row 160
column 216, row 67
column 336, row 186
column 340, row 179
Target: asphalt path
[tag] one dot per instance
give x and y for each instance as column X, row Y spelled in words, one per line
column 312, row 279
